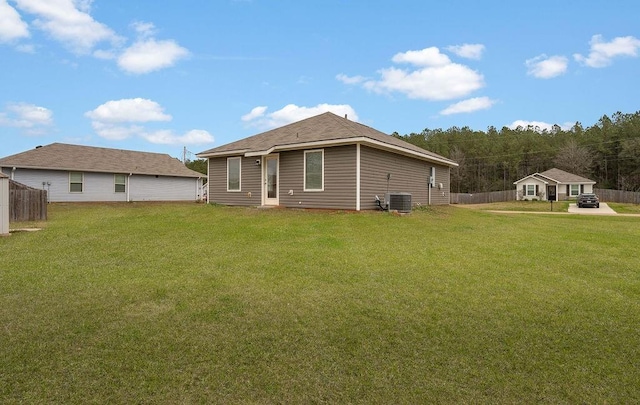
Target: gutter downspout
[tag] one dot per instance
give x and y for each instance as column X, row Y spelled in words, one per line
column 13, row 170
column 129, row 187
column 357, row 177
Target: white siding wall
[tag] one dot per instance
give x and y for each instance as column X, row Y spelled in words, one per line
column 152, row 188
column 542, row 188
column 101, row 186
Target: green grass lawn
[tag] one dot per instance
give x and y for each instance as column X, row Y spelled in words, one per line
column 625, row 208
column 524, row 206
column 189, row 303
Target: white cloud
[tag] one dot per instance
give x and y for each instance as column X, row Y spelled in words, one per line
column 544, row 67
column 11, row 25
column 117, row 120
column 167, row 137
column 256, row 112
column 469, row 51
column 148, row 55
column 292, row 113
column 350, row 79
column 469, row 105
column 434, row 78
column 129, row 110
column 425, row 57
column 69, row 23
column 116, row 132
column 432, row 83
column 30, row 118
column 23, row 115
column 538, row 125
column 602, row 53
column 144, row 29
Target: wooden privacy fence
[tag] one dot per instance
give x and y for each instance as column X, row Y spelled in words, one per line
column 619, row 196
column 483, row 198
column 605, row 195
column 26, row 203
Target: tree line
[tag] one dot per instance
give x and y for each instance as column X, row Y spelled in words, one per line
column 607, row 152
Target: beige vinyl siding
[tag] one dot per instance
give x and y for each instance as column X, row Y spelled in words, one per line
column 407, row 175
column 249, row 193
column 339, row 180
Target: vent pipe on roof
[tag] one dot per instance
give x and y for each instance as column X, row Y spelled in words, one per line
column 345, row 117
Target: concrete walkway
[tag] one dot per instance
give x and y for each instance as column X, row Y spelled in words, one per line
column 603, row 210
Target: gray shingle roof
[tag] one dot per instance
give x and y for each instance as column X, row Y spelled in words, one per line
column 324, row 128
column 60, row 156
column 561, row 176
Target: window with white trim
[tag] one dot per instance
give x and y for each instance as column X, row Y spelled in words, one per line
column 76, row 182
column 531, row 189
column 234, row 170
column 314, row 170
column 120, row 183
column 575, row 190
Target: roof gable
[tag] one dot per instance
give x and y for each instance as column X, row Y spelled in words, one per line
column 60, row 156
column 557, row 176
column 560, row 176
column 326, row 128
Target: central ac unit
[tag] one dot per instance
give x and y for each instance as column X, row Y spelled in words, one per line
column 400, row 202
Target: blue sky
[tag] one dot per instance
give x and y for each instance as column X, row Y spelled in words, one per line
column 161, row 76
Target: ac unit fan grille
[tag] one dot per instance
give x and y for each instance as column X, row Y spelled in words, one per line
column 400, row 202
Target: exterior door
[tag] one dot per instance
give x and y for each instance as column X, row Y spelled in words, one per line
column 270, row 191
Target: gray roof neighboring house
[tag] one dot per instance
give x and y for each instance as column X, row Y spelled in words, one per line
column 558, row 176
column 60, row 156
column 322, row 130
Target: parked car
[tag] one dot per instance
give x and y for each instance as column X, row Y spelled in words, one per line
column 588, row 200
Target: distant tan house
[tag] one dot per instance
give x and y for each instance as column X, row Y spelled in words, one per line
column 325, row 161
column 75, row 173
column 552, row 185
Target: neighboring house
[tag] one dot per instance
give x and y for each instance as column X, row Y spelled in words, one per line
column 552, row 185
column 75, row 173
column 324, row 161
column 4, row 204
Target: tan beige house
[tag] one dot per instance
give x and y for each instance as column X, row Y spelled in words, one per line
column 76, row 173
column 325, row 161
column 552, row 185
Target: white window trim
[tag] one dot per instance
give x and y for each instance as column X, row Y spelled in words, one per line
column 577, row 193
column 115, row 183
column 304, row 171
column 239, row 159
column 532, row 194
column 81, row 182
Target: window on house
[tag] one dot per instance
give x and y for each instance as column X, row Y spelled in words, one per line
column 531, row 190
column 575, row 190
column 120, row 183
column 76, row 180
column 233, row 173
column 314, row 170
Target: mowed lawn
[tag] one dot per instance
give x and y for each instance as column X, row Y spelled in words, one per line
column 189, row 303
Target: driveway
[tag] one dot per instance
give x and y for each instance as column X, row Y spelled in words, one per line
column 603, row 210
